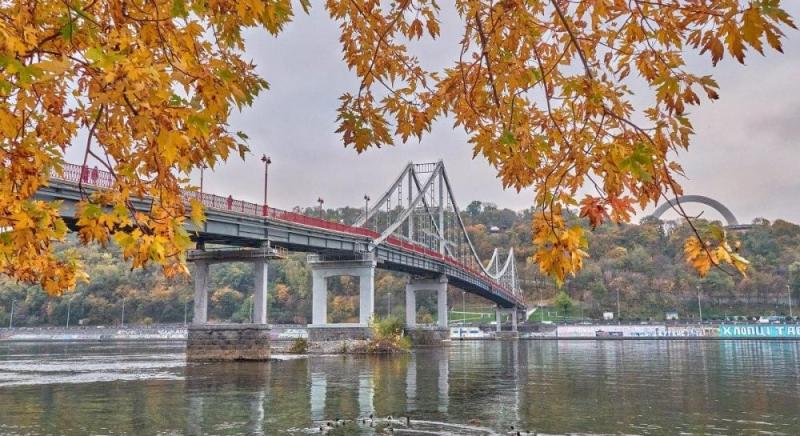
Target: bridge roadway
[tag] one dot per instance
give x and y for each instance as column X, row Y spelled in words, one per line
column 232, row 222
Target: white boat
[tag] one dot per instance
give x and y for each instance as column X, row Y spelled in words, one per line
column 467, row 333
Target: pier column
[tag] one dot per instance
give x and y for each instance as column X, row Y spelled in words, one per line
column 441, row 302
column 361, row 266
column 200, row 292
column 366, row 298
column 411, row 307
column 438, row 285
column 513, row 313
column 322, row 269
column 319, row 302
column 514, row 319
column 427, row 335
column 260, row 292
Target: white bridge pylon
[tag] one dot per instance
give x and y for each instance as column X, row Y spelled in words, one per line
column 420, row 207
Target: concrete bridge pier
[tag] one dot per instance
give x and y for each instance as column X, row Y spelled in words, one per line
column 229, row 341
column 500, row 334
column 322, row 268
column 427, row 335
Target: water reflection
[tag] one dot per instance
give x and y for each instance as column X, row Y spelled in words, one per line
column 638, row 387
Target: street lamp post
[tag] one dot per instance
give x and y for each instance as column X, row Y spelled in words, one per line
column 789, row 291
column 123, row 313
column 267, row 160
column 69, row 302
column 366, row 209
column 463, row 309
column 202, row 170
column 699, row 306
column 619, row 319
column 321, row 202
column 11, row 320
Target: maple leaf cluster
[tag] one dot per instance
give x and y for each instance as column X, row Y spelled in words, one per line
column 542, row 87
column 152, row 83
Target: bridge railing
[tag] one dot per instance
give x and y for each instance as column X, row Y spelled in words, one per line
column 105, row 180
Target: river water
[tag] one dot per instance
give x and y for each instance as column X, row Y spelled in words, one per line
column 480, row 387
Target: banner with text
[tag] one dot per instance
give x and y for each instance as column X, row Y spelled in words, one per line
column 759, row 331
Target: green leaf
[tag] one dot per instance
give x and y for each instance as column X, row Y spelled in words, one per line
column 69, row 26
column 5, row 87
column 103, row 59
column 638, row 162
column 534, row 75
column 200, row 122
column 717, row 232
column 508, row 138
column 179, row 9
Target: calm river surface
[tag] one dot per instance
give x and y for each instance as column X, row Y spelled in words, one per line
column 595, row 387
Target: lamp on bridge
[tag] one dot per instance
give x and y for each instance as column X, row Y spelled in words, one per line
column 321, row 202
column 266, row 159
column 366, row 208
column 202, row 170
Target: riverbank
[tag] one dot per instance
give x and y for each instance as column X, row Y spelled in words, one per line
column 282, row 336
column 161, row 332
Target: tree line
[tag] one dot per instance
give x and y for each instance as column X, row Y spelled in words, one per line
column 641, row 264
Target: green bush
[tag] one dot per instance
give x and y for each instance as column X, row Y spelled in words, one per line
column 388, row 337
column 388, row 327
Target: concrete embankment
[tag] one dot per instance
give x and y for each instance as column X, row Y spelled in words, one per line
column 283, row 336
column 94, row 333
column 159, row 332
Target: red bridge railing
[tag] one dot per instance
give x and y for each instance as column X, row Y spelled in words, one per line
column 105, row 180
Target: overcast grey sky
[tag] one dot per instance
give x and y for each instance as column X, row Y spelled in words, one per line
column 745, row 152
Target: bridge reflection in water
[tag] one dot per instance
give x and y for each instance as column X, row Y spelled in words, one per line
column 586, row 386
column 608, row 387
column 319, row 390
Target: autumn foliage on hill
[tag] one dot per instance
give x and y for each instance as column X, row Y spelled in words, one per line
column 542, row 87
column 643, row 264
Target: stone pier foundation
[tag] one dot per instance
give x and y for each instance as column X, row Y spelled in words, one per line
column 229, row 341
column 428, row 336
column 214, row 342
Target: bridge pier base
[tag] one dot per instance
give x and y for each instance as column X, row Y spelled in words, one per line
column 210, row 342
column 321, row 269
column 427, row 335
column 229, row 341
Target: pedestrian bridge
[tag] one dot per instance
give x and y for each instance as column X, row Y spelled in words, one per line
column 414, row 227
